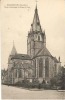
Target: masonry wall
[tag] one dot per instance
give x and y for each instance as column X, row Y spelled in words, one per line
column 52, row 70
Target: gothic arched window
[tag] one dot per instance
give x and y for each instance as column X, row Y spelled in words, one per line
column 15, row 72
column 47, row 67
column 38, row 38
column 20, row 73
column 40, row 67
column 35, row 66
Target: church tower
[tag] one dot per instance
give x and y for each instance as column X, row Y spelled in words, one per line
column 10, row 63
column 13, row 52
column 36, row 37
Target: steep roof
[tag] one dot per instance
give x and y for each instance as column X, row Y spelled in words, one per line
column 22, row 57
column 43, row 52
column 35, row 26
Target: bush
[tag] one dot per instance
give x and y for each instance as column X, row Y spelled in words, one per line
column 35, row 84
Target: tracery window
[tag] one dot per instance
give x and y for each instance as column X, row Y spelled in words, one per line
column 16, row 72
column 38, row 38
column 40, row 67
column 20, row 73
column 47, row 67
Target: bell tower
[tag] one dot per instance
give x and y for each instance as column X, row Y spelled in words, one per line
column 36, row 37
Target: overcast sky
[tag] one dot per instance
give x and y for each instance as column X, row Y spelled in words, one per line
column 16, row 23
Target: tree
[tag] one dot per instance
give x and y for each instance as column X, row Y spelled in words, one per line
column 59, row 79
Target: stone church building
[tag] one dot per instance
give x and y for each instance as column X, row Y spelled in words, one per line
column 38, row 63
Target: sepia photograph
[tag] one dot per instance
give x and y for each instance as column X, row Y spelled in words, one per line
column 32, row 49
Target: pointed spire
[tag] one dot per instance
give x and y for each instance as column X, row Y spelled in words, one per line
column 13, row 52
column 35, row 26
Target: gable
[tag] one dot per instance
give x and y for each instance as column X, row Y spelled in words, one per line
column 43, row 52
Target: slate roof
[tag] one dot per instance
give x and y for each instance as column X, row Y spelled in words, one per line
column 43, row 52
column 35, row 26
column 22, row 57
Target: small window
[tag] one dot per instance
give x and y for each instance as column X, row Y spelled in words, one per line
column 38, row 38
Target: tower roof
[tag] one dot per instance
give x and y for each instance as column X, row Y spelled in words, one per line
column 35, row 26
column 13, row 52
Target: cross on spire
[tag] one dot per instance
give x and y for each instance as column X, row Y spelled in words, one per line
column 35, row 26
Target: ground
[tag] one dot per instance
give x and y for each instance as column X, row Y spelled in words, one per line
column 9, row 92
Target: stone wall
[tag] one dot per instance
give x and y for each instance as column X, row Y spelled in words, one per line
column 51, row 67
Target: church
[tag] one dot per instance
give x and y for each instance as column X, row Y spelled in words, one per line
column 38, row 63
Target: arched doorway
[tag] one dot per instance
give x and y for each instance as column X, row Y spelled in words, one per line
column 40, row 67
column 46, row 68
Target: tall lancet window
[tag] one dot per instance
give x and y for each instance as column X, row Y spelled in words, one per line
column 16, row 73
column 20, row 73
column 47, row 67
column 40, row 67
column 38, row 38
column 35, row 67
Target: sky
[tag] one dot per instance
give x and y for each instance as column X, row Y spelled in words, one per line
column 16, row 22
